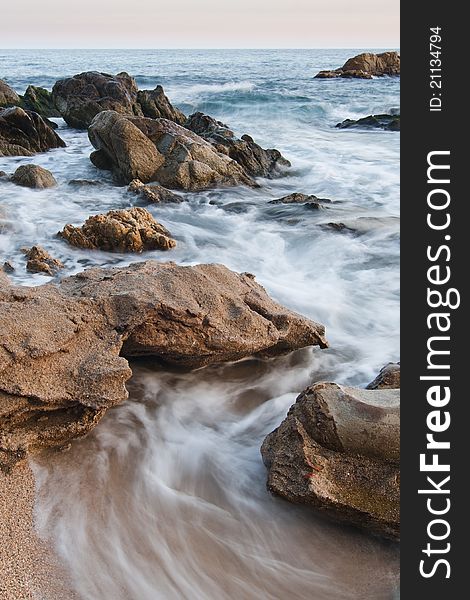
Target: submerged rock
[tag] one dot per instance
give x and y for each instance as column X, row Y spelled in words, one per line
column 24, row 133
column 39, row 100
column 40, row 261
column 33, row 176
column 388, row 122
column 160, row 150
column 388, row 378
column 366, row 65
column 298, row 198
column 155, row 105
column 338, row 451
column 130, row 230
column 81, row 97
column 255, row 160
column 153, row 192
column 61, row 359
column 8, row 96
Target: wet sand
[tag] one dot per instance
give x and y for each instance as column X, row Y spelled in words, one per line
column 28, row 568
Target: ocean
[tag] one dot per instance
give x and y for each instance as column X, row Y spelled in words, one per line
column 166, row 499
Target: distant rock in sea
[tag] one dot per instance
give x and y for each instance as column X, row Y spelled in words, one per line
column 388, row 122
column 366, row 66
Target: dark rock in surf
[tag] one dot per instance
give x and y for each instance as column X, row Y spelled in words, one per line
column 153, row 193
column 387, row 122
column 24, row 133
column 33, row 176
column 388, row 378
column 81, row 97
column 85, row 183
column 366, row 66
column 155, row 105
column 298, row 198
column 61, row 361
column 39, row 100
column 254, row 159
column 337, row 451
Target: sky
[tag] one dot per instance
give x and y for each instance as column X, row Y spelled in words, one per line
column 200, row 24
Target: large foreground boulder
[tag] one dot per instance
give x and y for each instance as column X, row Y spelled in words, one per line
column 365, row 66
column 24, row 133
column 255, row 160
column 160, row 150
column 81, row 97
column 338, row 452
column 8, row 96
column 131, row 230
column 61, row 358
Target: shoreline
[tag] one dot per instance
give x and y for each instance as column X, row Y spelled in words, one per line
column 29, row 567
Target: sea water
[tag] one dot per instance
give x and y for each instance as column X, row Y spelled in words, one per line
column 166, row 498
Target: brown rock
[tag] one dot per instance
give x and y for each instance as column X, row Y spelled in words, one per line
column 388, row 378
column 338, row 452
column 366, row 65
column 33, row 176
column 24, row 133
column 155, row 105
column 8, row 96
column 298, row 198
column 153, row 193
column 131, row 230
column 81, row 97
column 60, row 363
column 40, row 261
column 160, row 150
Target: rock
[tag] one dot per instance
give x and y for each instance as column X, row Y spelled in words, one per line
column 33, row 176
column 7, row 267
column 256, row 161
column 388, row 122
column 365, row 66
column 3, row 174
column 40, row 101
column 298, row 198
column 24, row 133
column 155, row 105
column 85, row 183
column 153, row 192
column 131, row 230
column 40, row 261
column 61, row 358
column 160, row 150
column 341, row 227
column 338, row 452
column 8, row 96
column 388, row 378
column 81, row 97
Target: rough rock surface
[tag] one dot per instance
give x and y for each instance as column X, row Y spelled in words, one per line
column 60, row 358
column 155, row 105
column 40, row 261
column 33, row 176
column 39, row 100
column 366, row 65
column 298, row 198
column 338, row 451
column 388, row 378
column 24, row 133
column 81, row 97
column 153, row 193
column 256, row 161
column 130, row 230
column 387, row 122
column 160, row 150
column 8, row 96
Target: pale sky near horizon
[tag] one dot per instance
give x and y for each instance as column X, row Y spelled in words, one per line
column 201, row 24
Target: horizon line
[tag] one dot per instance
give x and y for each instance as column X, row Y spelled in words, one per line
column 214, row 48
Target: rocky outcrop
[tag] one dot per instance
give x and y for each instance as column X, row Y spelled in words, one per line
column 256, row 161
column 131, row 230
column 8, row 96
column 40, row 261
column 153, row 193
column 298, row 198
column 155, row 105
column 81, row 97
column 33, row 176
column 61, row 358
column 40, row 101
column 387, row 122
column 366, row 66
column 160, row 150
column 24, row 133
column 388, row 378
column 338, row 452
